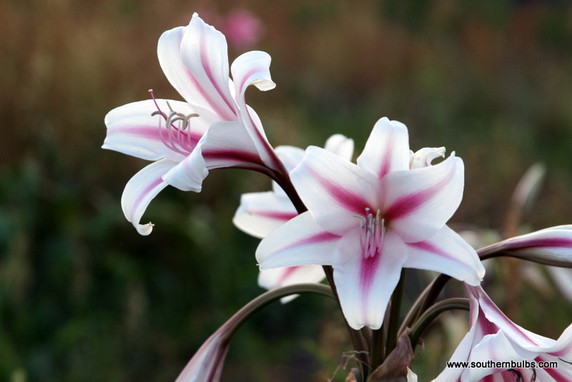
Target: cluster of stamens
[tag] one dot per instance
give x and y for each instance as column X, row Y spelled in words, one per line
column 175, row 131
column 373, row 230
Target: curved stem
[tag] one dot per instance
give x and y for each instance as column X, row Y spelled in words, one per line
column 272, row 295
column 432, row 312
column 425, row 299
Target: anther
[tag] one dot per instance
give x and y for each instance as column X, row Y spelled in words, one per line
column 178, row 137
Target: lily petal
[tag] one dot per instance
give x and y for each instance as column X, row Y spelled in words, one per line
column 300, row 241
column 419, row 202
column 386, row 149
column 262, row 212
column 133, row 130
column 252, row 68
column 279, row 277
column 204, row 53
column 333, row 188
column 141, row 189
column 340, row 145
column 289, row 155
column 551, row 246
column 365, row 285
column 224, row 145
column 446, row 252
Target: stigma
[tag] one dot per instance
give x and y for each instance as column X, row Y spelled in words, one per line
column 174, row 128
column 373, row 231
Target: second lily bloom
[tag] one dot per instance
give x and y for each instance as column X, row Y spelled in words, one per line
column 371, row 219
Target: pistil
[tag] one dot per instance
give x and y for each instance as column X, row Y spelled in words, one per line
column 176, row 133
column 373, row 231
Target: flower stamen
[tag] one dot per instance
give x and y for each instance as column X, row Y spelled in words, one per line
column 373, row 231
column 177, row 136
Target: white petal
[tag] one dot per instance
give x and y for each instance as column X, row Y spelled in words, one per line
column 518, row 335
column 289, row 155
column 252, row 68
column 300, row 241
column 496, row 347
column 169, row 54
column 446, row 252
column 279, row 277
column 205, row 56
column 224, row 145
column 133, row 130
column 423, row 157
column 387, row 148
column 419, row 202
column 340, row 145
column 365, row 285
column 260, row 213
column 334, row 189
column 140, row 190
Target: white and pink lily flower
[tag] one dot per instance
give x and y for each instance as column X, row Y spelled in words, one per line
column 497, row 349
column 551, row 246
column 371, row 219
column 213, row 128
column 260, row 213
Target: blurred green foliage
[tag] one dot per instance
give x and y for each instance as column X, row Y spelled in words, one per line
column 84, row 298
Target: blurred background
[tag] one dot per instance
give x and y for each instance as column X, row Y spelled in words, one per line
column 83, row 297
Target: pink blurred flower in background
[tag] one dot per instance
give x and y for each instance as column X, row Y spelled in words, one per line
column 242, row 29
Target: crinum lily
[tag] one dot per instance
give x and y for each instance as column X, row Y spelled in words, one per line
column 213, row 129
column 260, row 213
column 371, row 219
column 497, row 349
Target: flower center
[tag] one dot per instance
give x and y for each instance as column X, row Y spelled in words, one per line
column 175, row 133
column 373, row 230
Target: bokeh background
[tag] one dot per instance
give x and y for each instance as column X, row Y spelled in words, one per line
column 84, row 298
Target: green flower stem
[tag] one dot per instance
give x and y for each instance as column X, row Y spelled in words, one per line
column 432, row 312
column 425, row 299
column 266, row 298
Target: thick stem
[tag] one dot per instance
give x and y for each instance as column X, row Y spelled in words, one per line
column 272, row 295
column 432, row 312
column 425, row 299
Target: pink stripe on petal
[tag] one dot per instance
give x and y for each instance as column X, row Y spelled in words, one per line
column 353, row 202
column 368, row 270
column 206, row 66
column 554, row 242
column 143, row 194
column 386, row 162
column 430, row 247
column 288, row 272
column 285, row 216
column 408, row 204
column 314, row 239
column 231, row 156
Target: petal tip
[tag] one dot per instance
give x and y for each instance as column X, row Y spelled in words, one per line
column 144, row 229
